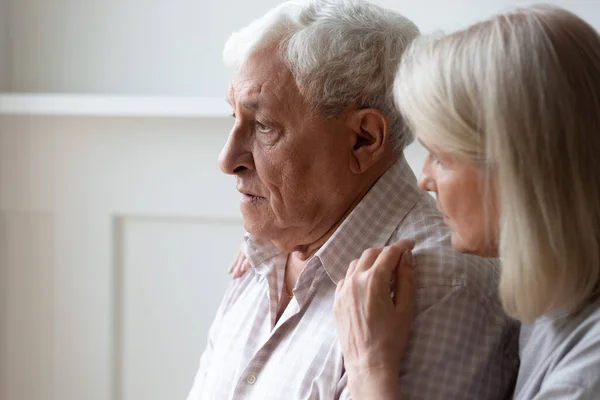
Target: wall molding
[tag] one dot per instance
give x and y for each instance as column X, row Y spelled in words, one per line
column 91, row 105
column 119, row 226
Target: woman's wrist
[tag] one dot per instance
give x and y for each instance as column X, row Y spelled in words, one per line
column 374, row 383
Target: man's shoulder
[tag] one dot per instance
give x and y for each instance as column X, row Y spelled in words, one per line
column 438, row 263
column 425, row 224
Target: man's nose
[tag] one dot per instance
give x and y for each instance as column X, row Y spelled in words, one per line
column 235, row 155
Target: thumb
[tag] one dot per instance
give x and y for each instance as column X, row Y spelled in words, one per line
column 405, row 286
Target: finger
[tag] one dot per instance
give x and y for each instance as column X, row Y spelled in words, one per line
column 404, row 244
column 337, row 297
column 387, row 261
column 241, row 268
column 351, row 268
column 238, row 270
column 390, row 257
column 368, row 258
column 339, row 287
column 405, row 288
column 235, row 262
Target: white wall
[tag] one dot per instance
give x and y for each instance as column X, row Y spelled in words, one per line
column 172, row 47
column 115, row 237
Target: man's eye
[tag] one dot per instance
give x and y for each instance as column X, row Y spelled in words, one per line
column 262, row 128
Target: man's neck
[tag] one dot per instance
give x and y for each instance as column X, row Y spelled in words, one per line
column 302, row 254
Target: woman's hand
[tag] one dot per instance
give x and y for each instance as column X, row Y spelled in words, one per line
column 240, row 265
column 374, row 324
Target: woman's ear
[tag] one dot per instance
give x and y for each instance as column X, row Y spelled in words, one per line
column 371, row 139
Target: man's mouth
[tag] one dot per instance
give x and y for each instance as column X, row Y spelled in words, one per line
column 249, row 197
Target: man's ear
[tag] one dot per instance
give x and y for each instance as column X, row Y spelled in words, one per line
column 371, row 138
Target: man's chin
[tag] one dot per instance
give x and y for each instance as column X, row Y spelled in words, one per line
column 255, row 225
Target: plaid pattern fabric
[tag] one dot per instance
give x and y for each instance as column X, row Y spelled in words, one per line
column 462, row 345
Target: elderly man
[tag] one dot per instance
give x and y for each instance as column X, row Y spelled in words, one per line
column 317, row 152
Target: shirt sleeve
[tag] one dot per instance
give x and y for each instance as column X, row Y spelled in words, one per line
column 213, row 333
column 459, row 349
column 576, row 376
column 565, row 391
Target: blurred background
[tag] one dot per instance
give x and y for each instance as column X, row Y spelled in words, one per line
column 116, row 226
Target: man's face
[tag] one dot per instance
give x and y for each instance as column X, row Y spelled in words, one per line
column 291, row 164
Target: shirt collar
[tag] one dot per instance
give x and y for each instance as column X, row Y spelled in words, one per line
column 370, row 224
column 373, row 220
column 259, row 250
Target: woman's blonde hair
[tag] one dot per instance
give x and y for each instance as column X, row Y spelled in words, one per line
column 519, row 94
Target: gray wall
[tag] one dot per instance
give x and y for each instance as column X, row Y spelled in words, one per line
column 141, row 47
column 172, row 47
column 4, row 54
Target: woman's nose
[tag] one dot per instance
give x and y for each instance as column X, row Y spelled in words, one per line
column 426, row 181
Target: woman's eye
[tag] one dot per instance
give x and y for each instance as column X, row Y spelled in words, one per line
column 434, row 160
column 263, row 128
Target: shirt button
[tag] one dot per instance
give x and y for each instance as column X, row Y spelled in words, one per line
column 251, row 379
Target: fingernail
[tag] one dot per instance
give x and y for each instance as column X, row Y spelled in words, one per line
column 408, row 258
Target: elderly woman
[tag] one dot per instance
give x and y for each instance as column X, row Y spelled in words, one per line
column 509, row 110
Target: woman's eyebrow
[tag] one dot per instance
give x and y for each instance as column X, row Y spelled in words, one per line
column 424, row 145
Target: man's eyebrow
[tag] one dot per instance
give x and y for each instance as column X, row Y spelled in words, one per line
column 249, row 104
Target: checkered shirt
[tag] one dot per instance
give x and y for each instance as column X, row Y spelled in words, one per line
column 462, row 345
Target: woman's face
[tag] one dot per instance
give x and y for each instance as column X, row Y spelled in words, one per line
column 466, row 196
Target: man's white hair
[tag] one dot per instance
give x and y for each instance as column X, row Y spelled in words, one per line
column 341, row 52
